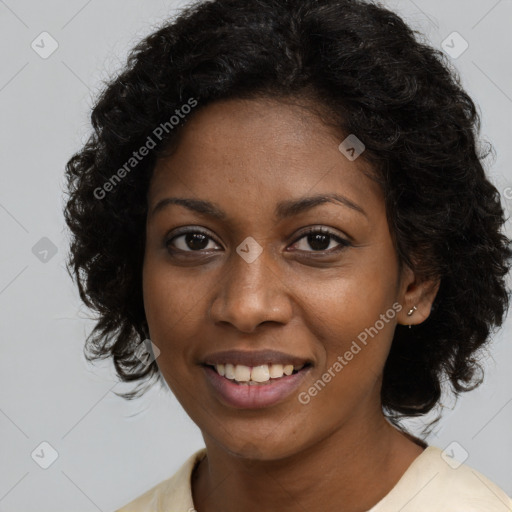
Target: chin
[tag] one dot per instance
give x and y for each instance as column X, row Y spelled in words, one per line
column 264, row 448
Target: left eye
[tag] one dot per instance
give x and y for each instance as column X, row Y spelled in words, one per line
column 320, row 240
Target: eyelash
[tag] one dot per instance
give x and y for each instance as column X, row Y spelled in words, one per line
column 319, row 230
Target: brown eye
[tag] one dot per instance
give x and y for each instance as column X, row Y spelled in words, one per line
column 190, row 241
column 320, row 240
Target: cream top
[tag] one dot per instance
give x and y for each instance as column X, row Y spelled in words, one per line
column 429, row 484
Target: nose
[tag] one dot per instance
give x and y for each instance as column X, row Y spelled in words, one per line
column 250, row 294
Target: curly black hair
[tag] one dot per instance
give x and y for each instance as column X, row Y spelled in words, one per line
column 371, row 75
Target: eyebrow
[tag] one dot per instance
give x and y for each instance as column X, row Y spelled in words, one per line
column 284, row 209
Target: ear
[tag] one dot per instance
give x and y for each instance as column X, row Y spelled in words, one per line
column 416, row 297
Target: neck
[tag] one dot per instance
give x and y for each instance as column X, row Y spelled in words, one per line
column 351, row 470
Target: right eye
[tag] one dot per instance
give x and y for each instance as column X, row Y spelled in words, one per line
column 191, row 240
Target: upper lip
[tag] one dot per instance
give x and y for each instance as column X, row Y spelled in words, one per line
column 254, row 358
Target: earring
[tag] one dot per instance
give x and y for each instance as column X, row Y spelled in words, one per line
column 411, row 312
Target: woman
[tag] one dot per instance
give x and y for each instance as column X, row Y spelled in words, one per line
column 286, row 198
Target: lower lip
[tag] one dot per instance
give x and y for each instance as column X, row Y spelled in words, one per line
column 257, row 396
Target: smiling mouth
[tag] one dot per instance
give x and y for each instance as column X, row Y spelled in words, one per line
column 256, row 375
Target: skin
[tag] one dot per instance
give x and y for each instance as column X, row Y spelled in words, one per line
column 338, row 452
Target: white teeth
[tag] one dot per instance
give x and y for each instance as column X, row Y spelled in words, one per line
column 229, row 371
column 242, row 373
column 256, row 374
column 260, row 373
column 276, row 371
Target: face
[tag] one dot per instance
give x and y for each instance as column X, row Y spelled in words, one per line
column 262, row 269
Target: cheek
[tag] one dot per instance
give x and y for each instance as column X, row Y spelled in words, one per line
column 173, row 310
column 353, row 343
column 170, row 296
column 353, row 326
column 352, row 316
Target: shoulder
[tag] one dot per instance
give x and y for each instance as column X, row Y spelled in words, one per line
column 174, row 493
column 434, row 481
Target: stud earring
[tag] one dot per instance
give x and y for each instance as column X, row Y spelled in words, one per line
column 411, row 312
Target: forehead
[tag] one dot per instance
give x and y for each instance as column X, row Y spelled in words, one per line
column 257, row 152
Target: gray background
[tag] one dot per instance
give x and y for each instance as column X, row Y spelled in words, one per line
column 110, row 450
